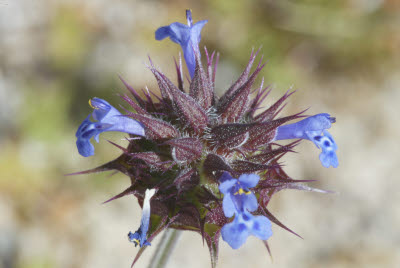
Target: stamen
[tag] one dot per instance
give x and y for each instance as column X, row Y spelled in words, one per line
column 242, row 191
column 189, row 17
column 91, row 105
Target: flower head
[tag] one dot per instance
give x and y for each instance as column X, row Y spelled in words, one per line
column 192, row 146
column 108, row 119
column 311, row 129
column 187, row 36
column 140, row 236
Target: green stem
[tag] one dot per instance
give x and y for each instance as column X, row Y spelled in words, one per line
column 164, row 248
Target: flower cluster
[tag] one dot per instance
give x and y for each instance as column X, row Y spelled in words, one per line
column 212, row 162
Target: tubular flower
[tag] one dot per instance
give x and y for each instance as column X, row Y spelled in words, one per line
column 108, row 119
column 311, row 129
column 194, row 146
column 187, row 36
column 139, row 237
column 237, row 196
column 239, row 201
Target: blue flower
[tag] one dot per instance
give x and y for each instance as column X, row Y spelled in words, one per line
column 240, row 201
column 108, row 119
column 245, row 224
column 140, row 236
column 311, row 129
column 187, row 36
column 237, row 196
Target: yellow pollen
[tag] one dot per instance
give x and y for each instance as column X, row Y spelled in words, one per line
column 91, row 105
column 241, row 191
column 136, row 241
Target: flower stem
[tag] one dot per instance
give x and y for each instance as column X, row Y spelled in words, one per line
column 164, row 249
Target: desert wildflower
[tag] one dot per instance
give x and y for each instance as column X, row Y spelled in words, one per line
column 239, row 201
column 213, row 160
column 108, row 119
column 140, row 236
column 187, row 36
column 311, row 129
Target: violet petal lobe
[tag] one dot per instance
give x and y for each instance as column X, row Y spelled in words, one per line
column 187, row 36
column 226, row 186
column 245, row 224
column 228, row 206
column 249, row 180
column 235, row 233
column 328, row 145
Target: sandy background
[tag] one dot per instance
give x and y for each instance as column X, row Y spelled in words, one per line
column 342, row 56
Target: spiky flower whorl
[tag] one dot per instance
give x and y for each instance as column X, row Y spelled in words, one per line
column 212, row 161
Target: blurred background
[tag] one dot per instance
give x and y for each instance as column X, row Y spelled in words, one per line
column 343, row 56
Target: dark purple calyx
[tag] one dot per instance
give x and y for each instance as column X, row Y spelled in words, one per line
column 186, row 150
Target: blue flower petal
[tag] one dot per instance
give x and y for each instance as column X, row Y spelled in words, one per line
column 329, row 136
column 138, row 239
column 107, row 114
column 328, row 145
column 235, row 233
column 329, row 159
column 226, row 186
column 196, row 31
column 318, row 122
column 245, row 224
column 85, row 132
column 100, row 108
column 192, row 46
column 261, row 227
column 134, row 237
column 178, row 33
column 249, row 202
column 125, row 124
column 85, row 148
column 228, row 206
column 249, row 180
column 239, row 203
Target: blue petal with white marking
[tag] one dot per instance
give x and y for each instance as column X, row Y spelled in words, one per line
column 140, row 236
column 313, row 128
